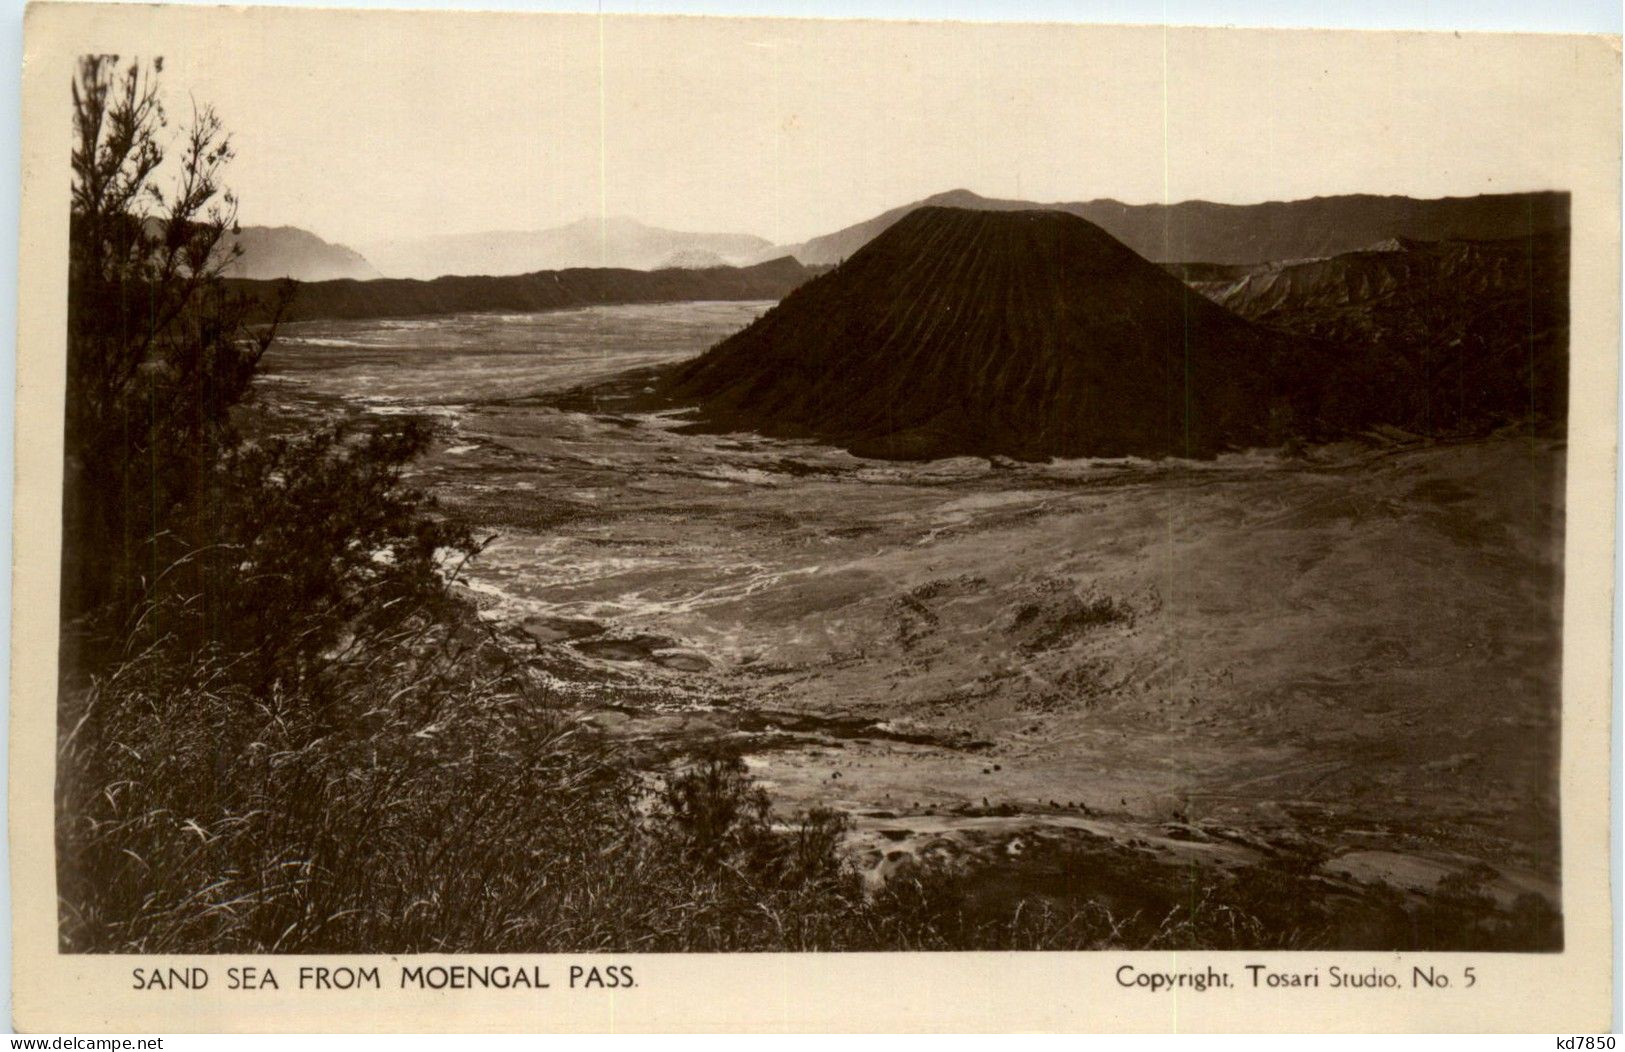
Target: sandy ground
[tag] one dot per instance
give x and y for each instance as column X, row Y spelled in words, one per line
column 1357, row 650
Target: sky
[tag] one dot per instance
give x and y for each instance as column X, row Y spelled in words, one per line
column 366, row 127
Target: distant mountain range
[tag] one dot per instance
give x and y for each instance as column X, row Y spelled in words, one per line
column 614, row 242
column 1188, row 232
column 522, row 293
column 270, row 252
column 1219, row 233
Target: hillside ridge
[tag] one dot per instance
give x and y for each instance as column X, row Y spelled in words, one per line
column 1252, row 233
column 538, row 291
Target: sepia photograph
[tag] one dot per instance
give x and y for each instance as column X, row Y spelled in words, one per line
column 610, row 485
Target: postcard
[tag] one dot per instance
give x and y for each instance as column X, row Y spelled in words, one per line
column 557, row 523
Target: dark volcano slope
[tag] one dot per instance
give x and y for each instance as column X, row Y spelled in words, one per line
column 1444, row 338
column 1029, row 334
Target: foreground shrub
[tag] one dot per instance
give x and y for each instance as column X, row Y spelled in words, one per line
column 314, row 547
column 439, row 800
column 439, row 803
column 442, row 802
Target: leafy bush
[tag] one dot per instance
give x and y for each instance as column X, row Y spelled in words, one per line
column 314, row 545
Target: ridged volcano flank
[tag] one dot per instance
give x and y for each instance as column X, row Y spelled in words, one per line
column 1029, row 334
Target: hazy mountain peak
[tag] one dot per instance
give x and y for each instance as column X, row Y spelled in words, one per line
column 293, row 252
column 955, row 198
column 618, row 223
column 592, row 241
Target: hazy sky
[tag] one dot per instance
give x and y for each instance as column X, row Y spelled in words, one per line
column 364, row 127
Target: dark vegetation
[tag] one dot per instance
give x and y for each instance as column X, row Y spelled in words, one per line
column 280, row 730
column 1049, row 626
column 1036, row 334
column 543, row 290
column 1113, row 895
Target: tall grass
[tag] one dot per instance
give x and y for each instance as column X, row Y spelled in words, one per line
column 440, row 800
column 441, row 803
